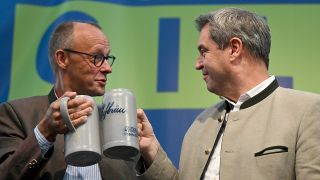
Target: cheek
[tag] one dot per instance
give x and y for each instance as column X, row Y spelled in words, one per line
column 214, row 69
column 94, row 71
column 86, row 74
column 91, row 70
column 210, row 64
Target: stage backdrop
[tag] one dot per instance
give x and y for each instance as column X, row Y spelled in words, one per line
column 155, row 45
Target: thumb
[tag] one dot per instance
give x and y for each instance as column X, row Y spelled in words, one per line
column 69, row 94
column 141, row 116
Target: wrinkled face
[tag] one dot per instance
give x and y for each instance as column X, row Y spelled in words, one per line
column 83, row 76
column 213, row 62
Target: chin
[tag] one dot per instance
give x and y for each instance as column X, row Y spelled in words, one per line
column 96, row 92
column 100, row 93
column 212, row 89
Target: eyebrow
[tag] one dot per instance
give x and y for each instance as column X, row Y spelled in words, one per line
column 200, row 46
column 100, row 51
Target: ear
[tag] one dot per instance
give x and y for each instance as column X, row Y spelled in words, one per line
column 236, row 48
column 61, row 59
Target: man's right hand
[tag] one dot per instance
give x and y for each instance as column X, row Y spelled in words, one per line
column 52, row 123
column 149, row 144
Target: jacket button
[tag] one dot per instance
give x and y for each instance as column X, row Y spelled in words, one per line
column 207, row 151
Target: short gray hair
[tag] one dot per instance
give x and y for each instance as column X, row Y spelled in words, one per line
column 251, row 28
column 62, row 37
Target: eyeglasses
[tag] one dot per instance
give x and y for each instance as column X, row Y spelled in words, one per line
column 98, row 59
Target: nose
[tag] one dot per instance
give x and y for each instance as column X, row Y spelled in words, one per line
column 105, row 68
column 199, row 63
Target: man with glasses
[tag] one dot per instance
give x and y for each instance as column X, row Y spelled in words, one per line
column 31, row 129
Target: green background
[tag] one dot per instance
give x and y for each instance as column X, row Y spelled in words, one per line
column 133, row 33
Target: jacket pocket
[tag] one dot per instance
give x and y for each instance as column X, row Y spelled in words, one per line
column 271, row 150
column 273, row 163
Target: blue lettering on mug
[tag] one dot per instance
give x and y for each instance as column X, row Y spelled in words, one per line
column 130, row 131
column 112, row 108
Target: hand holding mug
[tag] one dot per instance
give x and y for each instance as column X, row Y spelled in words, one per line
column 149, row 144
column 53, row 124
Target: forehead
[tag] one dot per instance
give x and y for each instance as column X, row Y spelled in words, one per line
column 86, row 34
column 205, row 37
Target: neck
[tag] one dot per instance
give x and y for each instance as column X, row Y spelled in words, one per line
column 58, row 89
column 59, row 86
column 246, row 79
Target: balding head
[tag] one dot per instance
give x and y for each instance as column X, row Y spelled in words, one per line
column 62, row 37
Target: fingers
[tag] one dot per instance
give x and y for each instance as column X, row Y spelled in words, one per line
column 77, row 115
column 141, row 116
column 144, row 126
column 81, row 110
column 79, row 121
column 60, row 126
column 140, row 126
column 148, row 142
column 79, row 104
column 78, row 109
column 69, row 94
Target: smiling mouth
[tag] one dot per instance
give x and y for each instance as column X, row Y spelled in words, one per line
column 205, row 76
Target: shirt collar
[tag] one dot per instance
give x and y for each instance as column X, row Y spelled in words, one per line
column 251, row 93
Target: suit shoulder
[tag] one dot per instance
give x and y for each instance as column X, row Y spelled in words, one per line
column 298, row 94
column 211, row 111
column 29, row 101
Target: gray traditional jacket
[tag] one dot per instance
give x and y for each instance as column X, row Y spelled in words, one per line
column 274, row 136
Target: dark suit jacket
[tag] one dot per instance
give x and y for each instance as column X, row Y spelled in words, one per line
column 20, row 154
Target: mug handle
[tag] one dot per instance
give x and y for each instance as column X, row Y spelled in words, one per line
column 65, row 114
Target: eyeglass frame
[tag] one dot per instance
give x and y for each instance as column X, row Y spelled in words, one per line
column 94, row 56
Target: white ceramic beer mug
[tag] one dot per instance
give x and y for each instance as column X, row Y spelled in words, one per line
column 119, row 124
column 82, row 144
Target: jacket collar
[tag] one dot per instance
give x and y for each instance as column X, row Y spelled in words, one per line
column 260, row 96
column 52, row 96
